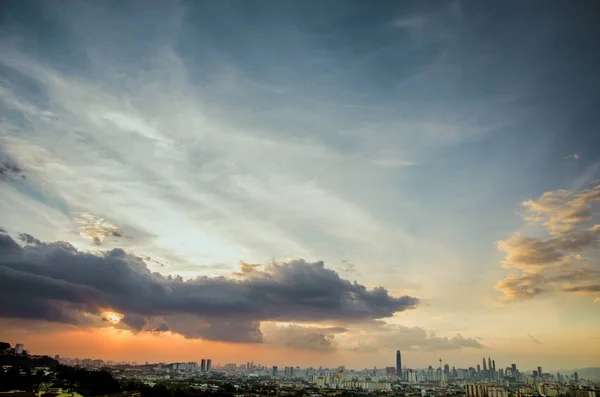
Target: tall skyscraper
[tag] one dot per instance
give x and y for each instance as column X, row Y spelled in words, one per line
column 398, row 364
column 489, row 363
column 539, row 371
column 274, row 370
column 478, row 368
column 484, row 365
column 203, row 365
column 513, row 368
column 19, row 348
column 208, row 364
column 493, row 365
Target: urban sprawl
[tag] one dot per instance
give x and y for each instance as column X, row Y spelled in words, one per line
column 244, row 380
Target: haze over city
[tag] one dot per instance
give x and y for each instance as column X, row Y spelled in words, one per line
column 306, row 183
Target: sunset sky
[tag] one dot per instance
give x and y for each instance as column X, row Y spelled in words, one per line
column 301, row 182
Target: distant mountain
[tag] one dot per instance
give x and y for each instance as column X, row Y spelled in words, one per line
column 592, row 373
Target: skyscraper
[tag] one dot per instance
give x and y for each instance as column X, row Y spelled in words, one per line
column 484, row 365
column 203, row 365
column 494, row 365
column 398, row 364
column 489, row 363
column 19, row 348
column 208, row 364
column 539, row 371
column 274, row 370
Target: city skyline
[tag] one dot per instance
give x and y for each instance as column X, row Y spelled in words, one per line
column 205, row 365
column 326, row 181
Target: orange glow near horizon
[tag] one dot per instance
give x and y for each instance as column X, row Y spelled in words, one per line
column 111, row 343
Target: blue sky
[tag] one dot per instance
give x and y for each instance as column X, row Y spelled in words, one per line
column 395, row 141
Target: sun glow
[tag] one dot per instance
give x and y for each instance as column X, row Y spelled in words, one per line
column 113, row 317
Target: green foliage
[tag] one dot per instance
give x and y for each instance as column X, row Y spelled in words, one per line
column 88, row 383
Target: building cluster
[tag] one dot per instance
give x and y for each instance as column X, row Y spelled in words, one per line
column 483, row 380
column 18, row 350
column 340, row 380
column 193, row 367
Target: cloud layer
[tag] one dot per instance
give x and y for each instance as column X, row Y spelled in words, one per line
column 549, row 264
column 378, row 335
column 56, row 282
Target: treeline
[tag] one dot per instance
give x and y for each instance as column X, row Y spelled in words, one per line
column 174, row 390
column 86, row 383
column 28, row 361
column 22, row 375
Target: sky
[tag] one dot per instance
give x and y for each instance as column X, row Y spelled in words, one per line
column 301, row 182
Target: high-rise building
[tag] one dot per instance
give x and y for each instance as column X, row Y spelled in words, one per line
column 274, row 370
column 493, row 365
column 484, row 365
column 489, row 363
column 19, row 348
column 513, row 368
column 289, row 372
column 576, row 377
column 478, row 368
column 398, row 364
column 203, row 365
column 208, row 364
column 540, row 372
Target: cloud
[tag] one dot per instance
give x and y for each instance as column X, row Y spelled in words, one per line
column 378, row 335
column 526, row 252
column 545, row 264
column 583, row 289
column 56, row 282
column 302, row 337
column 533, row 339
column 96, row 229
column 561, row 211
column 10, row 171
column 574, row 156
column 520, row 287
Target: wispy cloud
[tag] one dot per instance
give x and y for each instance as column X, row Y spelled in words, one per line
column 533, row 339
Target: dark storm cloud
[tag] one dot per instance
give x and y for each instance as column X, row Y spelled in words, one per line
column 56, row 282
